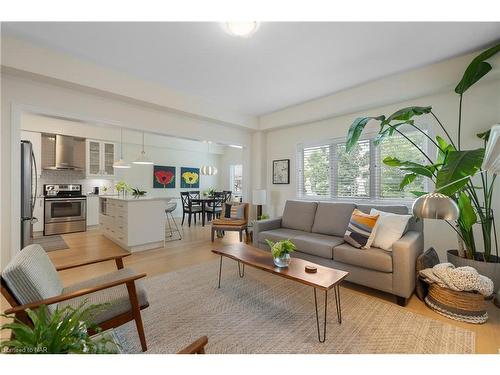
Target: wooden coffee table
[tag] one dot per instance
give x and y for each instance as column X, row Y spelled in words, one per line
column 324, row 279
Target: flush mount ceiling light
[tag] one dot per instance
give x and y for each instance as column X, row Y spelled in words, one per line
column 121, row 164
column 241, row 29
column 208, row 170
column 143, row 158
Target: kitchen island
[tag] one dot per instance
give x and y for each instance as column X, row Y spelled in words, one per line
column 135, row 224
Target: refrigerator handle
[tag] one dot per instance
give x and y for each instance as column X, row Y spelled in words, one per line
column 36, row 183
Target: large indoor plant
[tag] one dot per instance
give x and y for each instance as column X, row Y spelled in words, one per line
column 451, row 169
column 60, row 332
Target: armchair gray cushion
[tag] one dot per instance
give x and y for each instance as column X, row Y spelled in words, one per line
column 31, row 276
column 299, row 215
column 117, row 297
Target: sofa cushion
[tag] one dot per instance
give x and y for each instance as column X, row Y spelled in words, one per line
column 279, row 234
column 317, row 244
column 332, row 218
column 366, row 208
column 299, row 215
column 372, row 258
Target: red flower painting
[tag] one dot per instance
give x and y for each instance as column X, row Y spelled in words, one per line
column 164, row 177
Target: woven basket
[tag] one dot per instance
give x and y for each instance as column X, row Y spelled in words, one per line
column 463, row 306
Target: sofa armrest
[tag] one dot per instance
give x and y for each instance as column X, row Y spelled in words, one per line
column 262, row 226
column 405, row 252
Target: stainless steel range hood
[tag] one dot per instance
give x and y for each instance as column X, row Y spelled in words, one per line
column 62, row 152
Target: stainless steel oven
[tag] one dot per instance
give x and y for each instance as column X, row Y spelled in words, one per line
column 65, row 210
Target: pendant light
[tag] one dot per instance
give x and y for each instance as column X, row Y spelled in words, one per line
column 121, row 164
column 208, row 170
column 143, row 158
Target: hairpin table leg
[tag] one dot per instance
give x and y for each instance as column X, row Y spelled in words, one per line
column 241, row 270
column 317, row 316
column 220, row 270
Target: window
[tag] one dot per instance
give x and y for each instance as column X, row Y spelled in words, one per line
column 326, row 171
column 236, row 178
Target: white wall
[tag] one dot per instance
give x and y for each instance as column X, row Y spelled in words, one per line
column 481, row 110
column 230, row 157
column 21, row 94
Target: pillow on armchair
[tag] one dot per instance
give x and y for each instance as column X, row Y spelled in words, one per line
column 234, row 211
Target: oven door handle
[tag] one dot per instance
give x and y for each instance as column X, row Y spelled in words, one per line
column 65, row 199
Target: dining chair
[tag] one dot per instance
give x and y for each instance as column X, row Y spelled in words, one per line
column 214, row 210
column 188, row 208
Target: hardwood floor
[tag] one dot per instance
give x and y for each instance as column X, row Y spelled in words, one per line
column 195, row 248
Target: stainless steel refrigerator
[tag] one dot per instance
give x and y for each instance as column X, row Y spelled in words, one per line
column 28, row 192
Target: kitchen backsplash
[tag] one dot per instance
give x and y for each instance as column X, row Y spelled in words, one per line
column 73, row 177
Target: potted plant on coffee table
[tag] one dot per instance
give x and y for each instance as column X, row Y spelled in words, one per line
column 450, row 170
column 281, row 252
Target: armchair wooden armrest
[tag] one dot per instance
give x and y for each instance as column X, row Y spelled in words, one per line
column 197, row 347
column 117, row 258
column 77, row 293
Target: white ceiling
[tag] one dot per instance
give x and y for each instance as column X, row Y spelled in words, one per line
column 281, row 65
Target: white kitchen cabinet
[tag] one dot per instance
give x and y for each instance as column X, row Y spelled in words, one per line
column 92, row 210
column 134, row 224
column 36, row 142
column 100, row 157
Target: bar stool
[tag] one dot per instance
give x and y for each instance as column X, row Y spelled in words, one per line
column 169, row 229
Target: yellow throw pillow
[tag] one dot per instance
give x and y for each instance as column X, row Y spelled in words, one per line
column 361, row 229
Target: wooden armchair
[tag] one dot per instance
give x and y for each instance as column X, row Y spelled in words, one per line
column 235, row 225
column 31, row 280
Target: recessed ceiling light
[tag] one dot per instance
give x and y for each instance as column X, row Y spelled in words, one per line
column 241, row 29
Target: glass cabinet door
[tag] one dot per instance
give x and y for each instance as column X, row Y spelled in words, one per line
column 94, row 167
column 109, row 158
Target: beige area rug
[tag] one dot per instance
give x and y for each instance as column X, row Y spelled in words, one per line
column 264, row 313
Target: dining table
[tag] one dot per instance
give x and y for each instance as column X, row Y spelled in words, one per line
column 203, row 201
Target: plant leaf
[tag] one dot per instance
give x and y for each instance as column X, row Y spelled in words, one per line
column 460, row 164
column 405, row 114
column 476, row 70
column 418, row 193
column 467, row 216
column 407, row 180
column 444, row 149
column 484, row 135
column 410, row 166
column 356, row 129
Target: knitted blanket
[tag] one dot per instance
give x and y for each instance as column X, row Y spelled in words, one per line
column 459, row 279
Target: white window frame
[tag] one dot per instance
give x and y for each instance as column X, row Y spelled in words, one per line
column 374, row 186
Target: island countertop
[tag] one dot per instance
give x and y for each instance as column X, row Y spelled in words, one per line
column 132, row 199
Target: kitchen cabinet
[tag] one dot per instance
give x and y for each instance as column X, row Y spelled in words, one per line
column 100, row 157
column 36, row 142
column 92, row 210
column 135, row 224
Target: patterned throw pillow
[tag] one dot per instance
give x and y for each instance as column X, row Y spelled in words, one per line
column 361, row 229
column 234, row 211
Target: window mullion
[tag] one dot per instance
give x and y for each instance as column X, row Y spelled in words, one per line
column 333, row 171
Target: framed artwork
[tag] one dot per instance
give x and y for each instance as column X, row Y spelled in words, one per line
column 163, row 177
column 190, row 178
column 281, row 171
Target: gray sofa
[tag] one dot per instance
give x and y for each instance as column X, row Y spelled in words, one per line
column 317, row 229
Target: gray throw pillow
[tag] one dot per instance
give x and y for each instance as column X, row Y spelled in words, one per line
column 237, row 212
